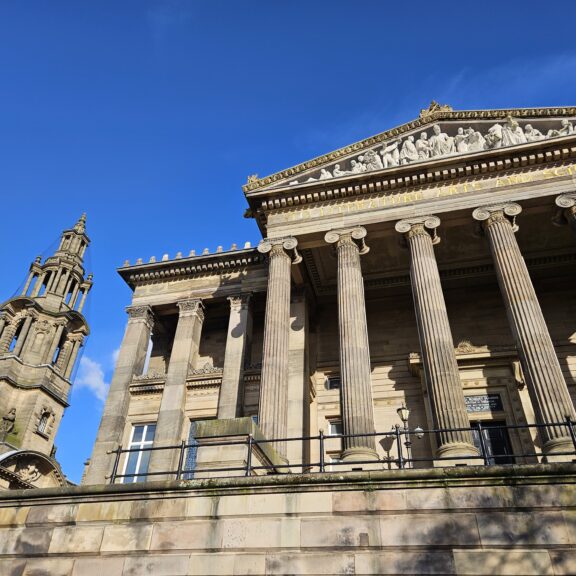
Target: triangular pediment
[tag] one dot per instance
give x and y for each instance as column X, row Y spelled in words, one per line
column 439, row 132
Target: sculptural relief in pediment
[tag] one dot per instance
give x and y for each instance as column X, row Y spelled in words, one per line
column 440, row 140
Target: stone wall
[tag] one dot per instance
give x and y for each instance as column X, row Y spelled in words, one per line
column 495, row 520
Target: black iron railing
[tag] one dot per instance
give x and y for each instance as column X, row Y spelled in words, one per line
column 399, row 440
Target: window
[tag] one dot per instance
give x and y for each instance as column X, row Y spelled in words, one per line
column 496, row 441
column 137, row 462
column 335, row 428
column 191, row 453
column 254, row 418
column 43, row 423
column 333, row 382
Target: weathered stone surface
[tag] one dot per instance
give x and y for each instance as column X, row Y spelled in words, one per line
column 25, row 541
column 503, row 562
column 341, row 532
column 49, row 567
column 405, row 562
column 303, row 563
column 98, row 566
column 76, row 539
column 168, row 565
column 126, row 538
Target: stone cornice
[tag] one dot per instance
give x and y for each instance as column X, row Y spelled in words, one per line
column 442, row 113
column 403, row 178
column 192, row 266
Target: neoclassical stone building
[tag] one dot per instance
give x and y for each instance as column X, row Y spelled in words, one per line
column 383, row 385
column 41, row 332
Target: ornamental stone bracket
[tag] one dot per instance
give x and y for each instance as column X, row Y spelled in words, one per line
column 286, row 245
column 356, row 235
column 486, row 216
column 417, row 226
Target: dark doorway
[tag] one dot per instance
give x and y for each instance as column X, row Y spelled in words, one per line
column 496, row 441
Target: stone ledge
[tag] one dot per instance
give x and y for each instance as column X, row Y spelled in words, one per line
column 542, row 474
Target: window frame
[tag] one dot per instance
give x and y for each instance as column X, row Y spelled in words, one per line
column 139, row 475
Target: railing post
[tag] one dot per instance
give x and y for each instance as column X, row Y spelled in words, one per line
column 482, row 445
column 570, row 425
column 399, row 447
column 118, row 451
column 180, row 460
column 321, row 439
column 249, row 456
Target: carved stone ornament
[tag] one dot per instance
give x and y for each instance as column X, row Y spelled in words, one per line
column 43, row 327
column 239, row 301
column 281, row 246
column 566, row 212
column 415, row 226
column 434, row 107
column 29, row 473
column 206, row 369
column 7, row 424
column 191, row 307
column 143, row 313
column 488, row 215
column 356, row 235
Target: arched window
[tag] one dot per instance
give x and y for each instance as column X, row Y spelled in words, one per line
column 43, row 422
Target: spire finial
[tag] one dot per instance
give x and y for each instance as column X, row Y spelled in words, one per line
column 80, row 226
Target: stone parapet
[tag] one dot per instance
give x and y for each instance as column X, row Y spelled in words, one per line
column 493, row 520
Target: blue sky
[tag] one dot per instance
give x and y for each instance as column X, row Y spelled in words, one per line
column 150, row 114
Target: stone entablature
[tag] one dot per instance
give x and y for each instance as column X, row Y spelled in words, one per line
column 181, row 268
column 437, row 115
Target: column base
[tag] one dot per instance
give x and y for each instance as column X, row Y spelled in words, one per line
column 359, row 454
column 462, row 452
column 562, row 444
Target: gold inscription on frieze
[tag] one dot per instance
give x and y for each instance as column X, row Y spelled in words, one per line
column 394, row 199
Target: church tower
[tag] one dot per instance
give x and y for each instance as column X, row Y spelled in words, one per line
column 41, row 332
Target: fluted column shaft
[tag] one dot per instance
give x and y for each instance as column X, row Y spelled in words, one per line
column 171, row 417
column 130, row 363
column 545, row 381
column 273, row 410
column 239, row 327
column 436, row 344
column 356, row 386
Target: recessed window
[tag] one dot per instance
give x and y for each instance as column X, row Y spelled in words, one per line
column 43, row 423
column 333, row 383
column 335, row 428
column 137, row 462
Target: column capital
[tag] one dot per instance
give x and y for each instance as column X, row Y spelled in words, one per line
column 239, row 301
column 566, row 212
column 140, row 314
column 191, row 307
column 419, row 226
column 489, row 215
column 285, row 246
column 355, row 236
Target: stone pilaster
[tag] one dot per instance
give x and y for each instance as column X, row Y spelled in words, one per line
column 239, row 329
column 77, row 341
column 356, row 387
column 566, row 204
column 171, row 418
column 130, row 363
column 542, row 372
column 273, row 410
column 436, row 344
column 23, row 334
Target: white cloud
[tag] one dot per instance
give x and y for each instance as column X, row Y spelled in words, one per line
column 115, row 355
column 91, row 376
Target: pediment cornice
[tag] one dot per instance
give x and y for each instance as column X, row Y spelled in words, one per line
column 309, row 170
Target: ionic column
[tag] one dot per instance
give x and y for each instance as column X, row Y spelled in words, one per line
column 273, row 410
column 436, row 344
column 567, row 209
column 170, row 424
column 356, row 387
column 23, row 334
column 239, row 327
column 544, row 378
column 130, row 362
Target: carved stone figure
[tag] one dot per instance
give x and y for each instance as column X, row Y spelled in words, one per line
column 8, row 421
column 532, row 134
column 461, row 141
column 372, row 161
column 494, row 137
column 440, row 143
column 324, row 174
column 423, row 147
column 408, row 153
column 475, row 140
column 357, row 167
column 565, row 130
column 338, row 172
column 390, row 155
column 512, row 134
